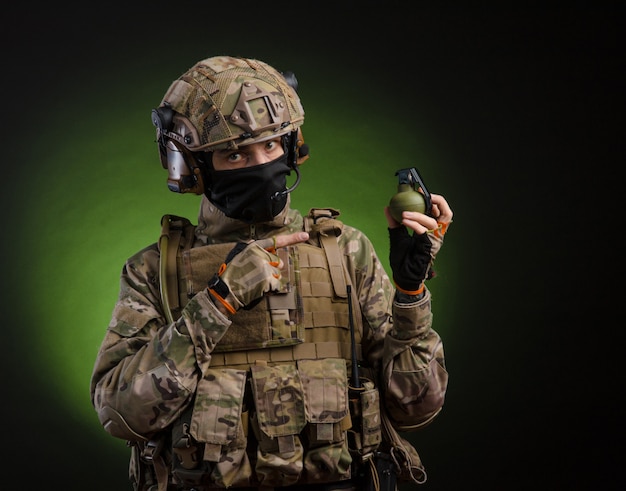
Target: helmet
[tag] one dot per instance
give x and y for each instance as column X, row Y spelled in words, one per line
column 224, row 103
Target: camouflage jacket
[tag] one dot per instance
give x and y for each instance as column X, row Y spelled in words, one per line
column 148, row 371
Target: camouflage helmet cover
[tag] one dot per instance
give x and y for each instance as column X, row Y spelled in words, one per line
column 225, row 102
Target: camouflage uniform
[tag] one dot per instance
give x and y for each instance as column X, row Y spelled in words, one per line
column 149, row 371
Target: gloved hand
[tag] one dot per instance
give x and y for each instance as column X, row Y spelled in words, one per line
column 411, row 258
column 249, row 271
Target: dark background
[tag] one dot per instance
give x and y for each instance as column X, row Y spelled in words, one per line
column 520, row 108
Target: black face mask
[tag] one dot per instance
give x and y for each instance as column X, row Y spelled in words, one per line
column 251, row 194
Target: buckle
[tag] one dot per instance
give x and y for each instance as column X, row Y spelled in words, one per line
column 151, row 450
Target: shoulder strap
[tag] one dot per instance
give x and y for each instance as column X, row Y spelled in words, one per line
column 321, row 221
column 176, row 234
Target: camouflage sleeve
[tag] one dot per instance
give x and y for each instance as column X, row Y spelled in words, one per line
column 414, row 366
column 146, row 369
column 398, row 340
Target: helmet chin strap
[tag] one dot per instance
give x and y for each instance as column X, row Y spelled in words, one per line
column 280, row 194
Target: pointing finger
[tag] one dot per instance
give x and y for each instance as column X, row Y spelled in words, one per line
column 283, row 240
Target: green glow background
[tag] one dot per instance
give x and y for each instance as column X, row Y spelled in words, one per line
column 494, row 107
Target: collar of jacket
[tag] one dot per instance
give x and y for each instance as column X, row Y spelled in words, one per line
column 215, row 227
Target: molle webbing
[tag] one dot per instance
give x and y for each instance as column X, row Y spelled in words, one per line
column 325, row 314
column 304, row 351
column 323, row 226
column 315, row 311
column 321, row 221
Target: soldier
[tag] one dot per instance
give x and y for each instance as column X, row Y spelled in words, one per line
column 264, row 348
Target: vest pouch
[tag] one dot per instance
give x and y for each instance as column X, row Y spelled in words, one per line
column 278, row 398
column 370, row 418
column 218, row 430
column 366, row 435
column 325, row 384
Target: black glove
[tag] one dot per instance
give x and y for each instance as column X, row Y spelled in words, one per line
column 411, row 257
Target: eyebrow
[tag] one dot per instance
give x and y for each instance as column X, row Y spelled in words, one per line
column 226, row 152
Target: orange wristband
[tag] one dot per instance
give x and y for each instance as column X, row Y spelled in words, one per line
column 419, row 291
column 441, row 230
column 226, row 305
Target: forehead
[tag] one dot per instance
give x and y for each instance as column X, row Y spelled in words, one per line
column 249, row 148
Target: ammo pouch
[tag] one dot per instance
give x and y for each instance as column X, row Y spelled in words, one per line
column 301, row 413
column 209, row 439
column 298, row 427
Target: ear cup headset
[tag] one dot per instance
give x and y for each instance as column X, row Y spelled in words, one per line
column 296, row 149
column 185, row 168
column 181, row 149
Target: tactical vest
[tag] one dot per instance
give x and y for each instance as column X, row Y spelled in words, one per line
column 276, row 407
